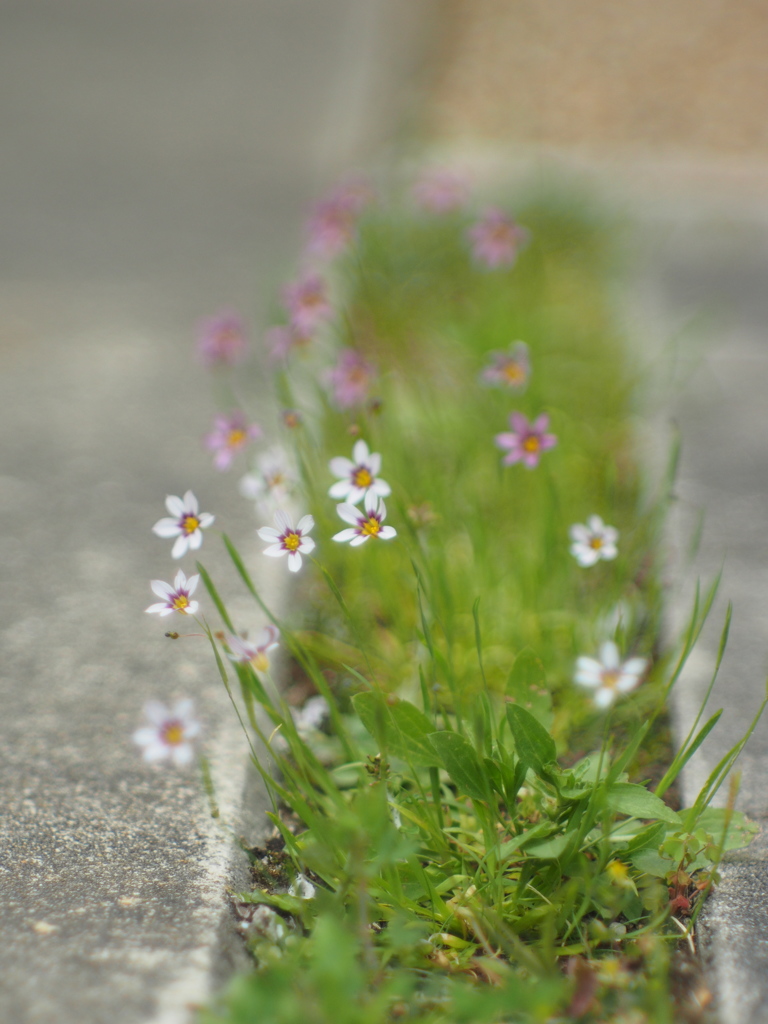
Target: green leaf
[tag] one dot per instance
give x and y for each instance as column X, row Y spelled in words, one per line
column 741, row 831
column 535, row 747
column 638, row 802
column 527, row 686
column 399, row 727
column 462, row 763
column 649, row 838
column 652, row 863
column 551, row 849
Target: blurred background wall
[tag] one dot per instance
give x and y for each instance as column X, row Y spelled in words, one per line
column 667, row 76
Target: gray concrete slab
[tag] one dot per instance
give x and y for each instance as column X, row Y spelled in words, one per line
column 701, row 308
column 154, row 166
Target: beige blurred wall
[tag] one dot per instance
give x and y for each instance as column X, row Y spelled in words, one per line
column 669, row 76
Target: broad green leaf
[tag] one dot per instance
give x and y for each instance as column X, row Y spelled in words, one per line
column 462, row 763
column 535, row 747
column 414, row 731
column 399, row 727
column 527, row 686
column 741, row 831
column 649, row 838
column 550, row 849
column 638, row 802
column 652, row 863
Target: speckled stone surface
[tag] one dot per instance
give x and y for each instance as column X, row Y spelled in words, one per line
column 155, row 165
column 701, row 303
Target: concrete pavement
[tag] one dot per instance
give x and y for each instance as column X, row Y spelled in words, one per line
column 155, row 163
column 700, row 311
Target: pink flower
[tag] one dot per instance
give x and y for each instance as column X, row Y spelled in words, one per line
column 350, row 379
column 288, row 539
column 282, row 340
column 510, row 369
column 307, row 303
column 169, row 734
column 440, row 190
column 221, row 341
column 332, row 222
column 229, row 436
column 496, row 239
column 526, row 441
column 366, row 522
column 176, row 597
column 253, row 652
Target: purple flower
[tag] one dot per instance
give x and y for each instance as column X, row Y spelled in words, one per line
column 440, row 190
column 253, row 652
column 365, row 523
column 332, row 222
column 229, row 436
column 496, row 239
column 358, row 475
column 526, row 441
column 169, row 734
column 307, row 303
column 288, row 539
column 176, row 597
column 350, row 379
column 185, row 523
column 221, row 341
column 282, row 340
column 510, row 369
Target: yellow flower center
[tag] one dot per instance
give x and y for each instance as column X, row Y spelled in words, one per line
column 237, row 436
column 190, row 523
column 596, row 543
column 362, row 477
column 513, row 372
column 291, row 541
column 610, row 677
column 260, row 661
column 531, row 443
column 370, row 527
column 180, row 602
column 173, row 733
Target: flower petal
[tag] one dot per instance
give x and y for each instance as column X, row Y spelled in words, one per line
column 175, row 506
column 349, row 513
column 180, row 547
column 166, row 528
column 341, row 466
column 344, row 535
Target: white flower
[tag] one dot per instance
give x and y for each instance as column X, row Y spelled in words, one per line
column 609, row 677
column 365, row 524
column 359, row 476
column 272, row 482
column 287, row 539
column 253, row 652
column 302, row 887
column 593, row 541
column 170, row 732
column 175, row 598
column 185, row 524
column 309, row 718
